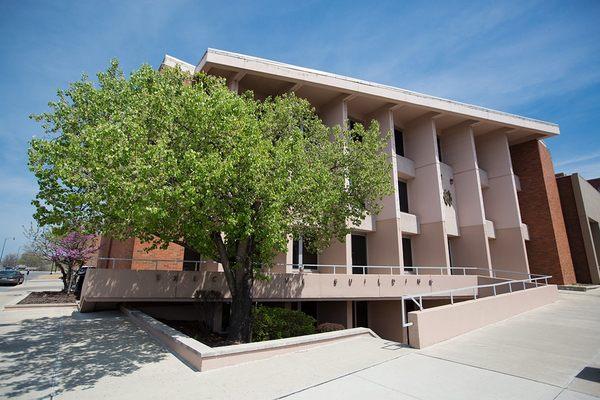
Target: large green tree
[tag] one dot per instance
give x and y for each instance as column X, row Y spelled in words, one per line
column 170, row 157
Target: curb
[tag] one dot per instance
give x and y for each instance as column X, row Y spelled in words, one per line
column 201, row 357
column 35, row 306
column 14, row 302
column 570, row 288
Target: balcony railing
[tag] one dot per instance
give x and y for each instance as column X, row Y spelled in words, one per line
column 336, row 269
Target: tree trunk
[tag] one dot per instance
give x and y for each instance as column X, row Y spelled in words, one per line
column 240, row 323
column 64, row 278
column 240, row 278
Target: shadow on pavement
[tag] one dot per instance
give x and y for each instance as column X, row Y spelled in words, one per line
column 52, row 355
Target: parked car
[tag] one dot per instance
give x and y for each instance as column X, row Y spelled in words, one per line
column 11, row 277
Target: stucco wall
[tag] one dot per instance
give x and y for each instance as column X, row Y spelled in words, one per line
column 107, row 285
column 437, row 324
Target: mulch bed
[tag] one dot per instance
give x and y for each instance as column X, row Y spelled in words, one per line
column 48, row 298
column 199, row 332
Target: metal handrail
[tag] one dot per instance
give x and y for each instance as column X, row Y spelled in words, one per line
column 451, row 292
column 114, row 260
column 490, row 272
column 300, row 268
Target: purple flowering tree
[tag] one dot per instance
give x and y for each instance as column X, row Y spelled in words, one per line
column 70, row 252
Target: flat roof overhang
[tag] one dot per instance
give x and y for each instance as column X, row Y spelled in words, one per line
column 366, row 95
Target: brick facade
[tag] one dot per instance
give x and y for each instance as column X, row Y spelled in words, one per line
column 150, row 259
column 574, row 233
column 548, row 249
column 129, row 249
column 595, row 183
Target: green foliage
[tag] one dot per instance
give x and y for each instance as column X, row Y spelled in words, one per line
column 278, row 323
column 329, row 327
column 170, row 157
column 155, row 157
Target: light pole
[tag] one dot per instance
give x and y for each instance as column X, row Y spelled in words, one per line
column 3, row 246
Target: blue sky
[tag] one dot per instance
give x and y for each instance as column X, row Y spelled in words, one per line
column 540, row 59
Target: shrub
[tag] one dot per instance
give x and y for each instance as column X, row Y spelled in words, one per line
column 329, row 327
column 278, row 323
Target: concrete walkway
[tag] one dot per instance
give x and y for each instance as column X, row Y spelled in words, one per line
column 536, row 355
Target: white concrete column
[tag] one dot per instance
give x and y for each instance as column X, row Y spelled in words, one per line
column 338, row 253
column 430, row 246
column 501, row 203
column 349, row 314
column 471, row 248
column 233, row 83
column 384, row 246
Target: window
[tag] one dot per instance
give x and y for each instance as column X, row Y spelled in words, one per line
column 359, row 253
column 355, row 136
column 191, row 260
column 399, row 142
column 403, row 196
column 439, row 149
column 308, row 257
column 407, row 254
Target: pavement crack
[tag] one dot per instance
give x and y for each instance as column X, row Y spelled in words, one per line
column 341, row 376
column 489, row 370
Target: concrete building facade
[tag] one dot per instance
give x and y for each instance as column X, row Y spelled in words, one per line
column 458, row 202
column 581, row 210
column 456, row 198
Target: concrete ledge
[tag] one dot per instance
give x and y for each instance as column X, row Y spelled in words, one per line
column 202, row 357
column 437, row 324
column 577, row 288
column 186, row 348
column 44, row 305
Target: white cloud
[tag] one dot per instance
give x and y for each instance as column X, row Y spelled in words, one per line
column 578, row 159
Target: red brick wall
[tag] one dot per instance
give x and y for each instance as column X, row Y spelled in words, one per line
column 134, row 249
column 595, row 183
column 548, row 250
column 569, row 210
column 154, row 259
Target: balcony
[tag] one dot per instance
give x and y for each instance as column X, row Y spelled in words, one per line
column 490, row 231
column 525, row 231
column 367, row 225
column 405, row 167
column 483, row 178
column 409, row 223
column 105, row 287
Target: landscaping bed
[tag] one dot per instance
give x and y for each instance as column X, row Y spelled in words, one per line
column 198, row 331
column 48, row 297
column 269, row 323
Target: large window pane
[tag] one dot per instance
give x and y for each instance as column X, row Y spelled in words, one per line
column 403, row 196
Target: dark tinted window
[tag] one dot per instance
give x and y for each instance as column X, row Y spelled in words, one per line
column 407, row 253
column 359, row 252
column 403, row 196
column 189, row 256
column 308, row 257
column 439, row 149
column 399, row 142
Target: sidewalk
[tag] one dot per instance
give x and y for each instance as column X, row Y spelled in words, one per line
column 534, row 356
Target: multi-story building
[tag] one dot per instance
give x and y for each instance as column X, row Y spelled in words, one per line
column 473, row 188
column 580, row 201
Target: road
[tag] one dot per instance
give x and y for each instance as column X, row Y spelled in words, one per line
column 36, row 281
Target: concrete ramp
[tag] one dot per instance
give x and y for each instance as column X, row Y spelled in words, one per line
column 434, row 325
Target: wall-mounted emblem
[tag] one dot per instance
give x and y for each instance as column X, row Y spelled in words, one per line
column 447, row 198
